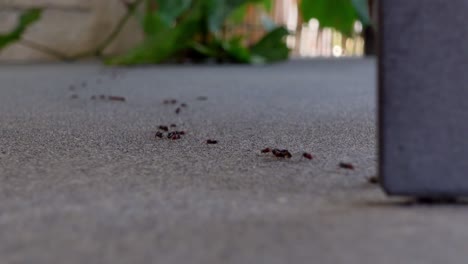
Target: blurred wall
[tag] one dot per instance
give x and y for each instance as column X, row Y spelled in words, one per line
column 68, row 26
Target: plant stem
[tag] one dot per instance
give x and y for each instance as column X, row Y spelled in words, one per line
column 123, row 21
column 95, row 51
column 115, row 32
column 44, row 49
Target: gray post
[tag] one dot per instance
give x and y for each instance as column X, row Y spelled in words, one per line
column 423, row 97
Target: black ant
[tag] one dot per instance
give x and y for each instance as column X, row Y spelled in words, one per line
column 173, row 136
column 159, row 134
column 211, row 141
column 266, row 150
column 116, row 98
column 177, row 111
column 170, row 101
column 281, row 153
column 347, row 166
column 163, row 128
column 373, row 180
column 307, row 155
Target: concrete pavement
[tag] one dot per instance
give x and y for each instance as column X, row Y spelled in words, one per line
column 84, row 181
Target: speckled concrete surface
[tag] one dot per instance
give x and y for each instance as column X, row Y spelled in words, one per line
column 84, row 181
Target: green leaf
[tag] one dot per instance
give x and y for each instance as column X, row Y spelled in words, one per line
column 219, row 10
column 153, row 23
column 362, row 9
column 26, row 19
column 164, row 15
column 164, row 45
column 236, row 51
column 169, row 10
column 267, row 4
column 338, row 14
column 272, row 47
column 230, row 50
column 238, row 15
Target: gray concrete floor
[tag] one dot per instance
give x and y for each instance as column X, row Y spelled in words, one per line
column 84, row 181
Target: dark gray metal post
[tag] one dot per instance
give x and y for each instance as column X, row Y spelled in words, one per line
column 423, row 97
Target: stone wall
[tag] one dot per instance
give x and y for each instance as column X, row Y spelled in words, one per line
column 68, row 26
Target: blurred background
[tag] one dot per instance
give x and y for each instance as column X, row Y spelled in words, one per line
column 80, row 29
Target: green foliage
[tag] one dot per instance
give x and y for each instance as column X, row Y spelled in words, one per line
column 362, row 9
column 26, row 19
column 338, row 14
column 177, row 30
column 271, row 48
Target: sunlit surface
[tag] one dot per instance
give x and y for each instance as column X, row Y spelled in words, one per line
column 310, row 40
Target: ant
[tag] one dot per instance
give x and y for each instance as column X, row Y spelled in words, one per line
column 266, row 150
column 211, row 141
column 177, row 111
column 183, row 105
column 307, row 155
column 159, row 134
column 373, row 180
column 163, row 128
column 116, row 98
column 173, row 135
column 170, row 101
column 347, row 166
column 282, row 153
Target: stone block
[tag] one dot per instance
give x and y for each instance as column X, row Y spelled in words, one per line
column 423, row 97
